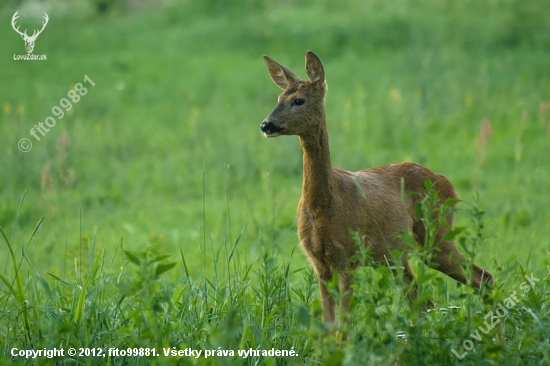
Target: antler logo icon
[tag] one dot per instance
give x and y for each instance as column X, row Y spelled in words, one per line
column 29, row 40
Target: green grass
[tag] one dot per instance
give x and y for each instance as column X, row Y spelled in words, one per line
column 154, row 214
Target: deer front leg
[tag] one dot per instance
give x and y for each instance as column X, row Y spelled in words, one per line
column 327, row 303
column 345, row 280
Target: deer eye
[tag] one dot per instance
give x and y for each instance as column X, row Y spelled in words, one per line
column 298, row 101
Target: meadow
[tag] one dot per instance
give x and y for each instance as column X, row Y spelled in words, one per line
column 155, row 215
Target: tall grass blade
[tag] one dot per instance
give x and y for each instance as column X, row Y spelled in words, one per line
column 19, row 291
column 79, row 310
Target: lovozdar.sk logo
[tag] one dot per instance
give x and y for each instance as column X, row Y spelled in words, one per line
column 29, row 40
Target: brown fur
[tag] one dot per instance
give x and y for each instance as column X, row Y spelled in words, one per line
column 332, row 205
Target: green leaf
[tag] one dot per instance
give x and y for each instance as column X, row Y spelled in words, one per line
column 451, row 235
column 62, row 281
column 132, row 257
column 161, row 268
column 160, row 257
column 45, row 285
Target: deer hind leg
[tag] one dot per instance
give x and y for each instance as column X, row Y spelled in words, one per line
column 453, row 264
column 448, row 260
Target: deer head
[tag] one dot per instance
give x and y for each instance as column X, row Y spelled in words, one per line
column 29, row 40
column 301, row 106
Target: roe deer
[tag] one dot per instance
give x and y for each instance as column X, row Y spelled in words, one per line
column 377, row 202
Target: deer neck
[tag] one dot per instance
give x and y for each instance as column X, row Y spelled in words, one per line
column 318, row 182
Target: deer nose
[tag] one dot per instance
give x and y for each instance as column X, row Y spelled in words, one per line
column 270, row 129
column 266, row 126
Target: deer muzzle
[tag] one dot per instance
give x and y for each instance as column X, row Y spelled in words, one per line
column 270, row 129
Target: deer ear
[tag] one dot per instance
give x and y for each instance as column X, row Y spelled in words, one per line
column 314, row 69
column 282, row 76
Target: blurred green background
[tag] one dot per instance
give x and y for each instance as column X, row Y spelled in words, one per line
column 166, row 150
column 165, row 155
